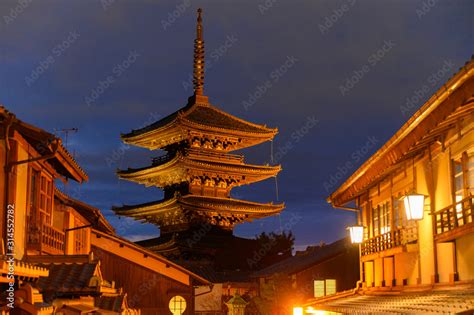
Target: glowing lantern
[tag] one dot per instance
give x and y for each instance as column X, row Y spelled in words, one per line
column 297, row 311
column 357, row 234
column 414, row 206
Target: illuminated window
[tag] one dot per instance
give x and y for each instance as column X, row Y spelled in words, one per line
column 470, row 174
column 375, row 220
column 318, row 288
column 463, row 181
column 324, row 287
column 399, row 214
column 381, row 219
column 463, row 173
column 177, row 305
column 330, row 286
column 458, row 186
column 385, row 218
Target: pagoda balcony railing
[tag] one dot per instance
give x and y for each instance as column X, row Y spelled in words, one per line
column 46, row 238
column 455, row 216
column 236, row 158
column 162, row 159
column 389, row 240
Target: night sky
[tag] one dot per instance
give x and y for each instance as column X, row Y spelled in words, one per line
column 337, row 78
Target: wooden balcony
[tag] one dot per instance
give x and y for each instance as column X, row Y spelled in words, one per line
column 389, row 240
column 46, row 239
column 455, row 220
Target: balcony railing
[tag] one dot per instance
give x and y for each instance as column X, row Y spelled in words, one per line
column 382, row 242
column 456, row 215
column 398, row 237
column 46, row 238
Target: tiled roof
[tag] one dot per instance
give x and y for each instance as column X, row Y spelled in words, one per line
column 303, row 261
column 178, row 160
column 209, row 203
column 452, row 301
column 205, row 115
column 230, row 204
column 66, row 279
column 211, row 116
column 156, row 125
column 41, row 140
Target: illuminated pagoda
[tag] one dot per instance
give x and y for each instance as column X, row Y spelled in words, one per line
column 197, row 173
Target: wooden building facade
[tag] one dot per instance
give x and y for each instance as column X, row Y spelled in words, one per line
column 431, row 155
column 415, row 200
column 61, row 255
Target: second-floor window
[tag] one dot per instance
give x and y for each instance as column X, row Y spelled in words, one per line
column 463, row 177
column 41, row 197
column 381, row 219
column 80, row 236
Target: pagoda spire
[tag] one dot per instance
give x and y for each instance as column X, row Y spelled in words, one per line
column 198, row 73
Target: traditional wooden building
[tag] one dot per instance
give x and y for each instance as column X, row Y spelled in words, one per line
column 61, row 255
column 320, row 270
column 414, row 201
column 197, row 173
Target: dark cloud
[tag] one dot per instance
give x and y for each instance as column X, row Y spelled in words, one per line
column 152, row 85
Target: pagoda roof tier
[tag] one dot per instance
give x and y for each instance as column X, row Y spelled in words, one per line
column 169, row 170
column 200, row 119
column 187, row 209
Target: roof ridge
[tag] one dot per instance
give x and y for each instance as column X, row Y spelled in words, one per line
column 222, row 112
column 464, row 73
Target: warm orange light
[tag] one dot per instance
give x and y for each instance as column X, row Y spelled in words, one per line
column 297, row 311
column 414, row 206
column 357, row 234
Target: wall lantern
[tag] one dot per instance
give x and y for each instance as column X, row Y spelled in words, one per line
column 297, row 311
column 414, row 206
column 357, row 234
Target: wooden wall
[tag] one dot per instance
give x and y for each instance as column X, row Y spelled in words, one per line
column 146, row 290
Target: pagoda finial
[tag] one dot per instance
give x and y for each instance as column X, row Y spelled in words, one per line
column 198, row 74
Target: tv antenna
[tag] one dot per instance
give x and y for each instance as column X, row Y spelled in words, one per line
column 66, row 132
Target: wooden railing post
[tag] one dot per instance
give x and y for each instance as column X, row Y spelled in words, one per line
column 448, row 218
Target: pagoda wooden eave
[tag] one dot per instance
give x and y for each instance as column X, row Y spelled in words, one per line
column 453, row 101
column 180, row 168
column 199, row 118
column 200, row 204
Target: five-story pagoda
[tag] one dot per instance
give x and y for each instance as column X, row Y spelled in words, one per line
column 197, row 173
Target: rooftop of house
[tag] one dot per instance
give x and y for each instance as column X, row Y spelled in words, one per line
column 45, row 144
column 303, row 260
column 441, row 300
column 453, row 101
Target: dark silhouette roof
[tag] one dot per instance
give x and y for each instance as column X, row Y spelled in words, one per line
column 307, row 259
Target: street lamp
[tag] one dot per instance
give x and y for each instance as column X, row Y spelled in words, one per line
column 414, row 206
column 357, row 234
column 297, row 311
